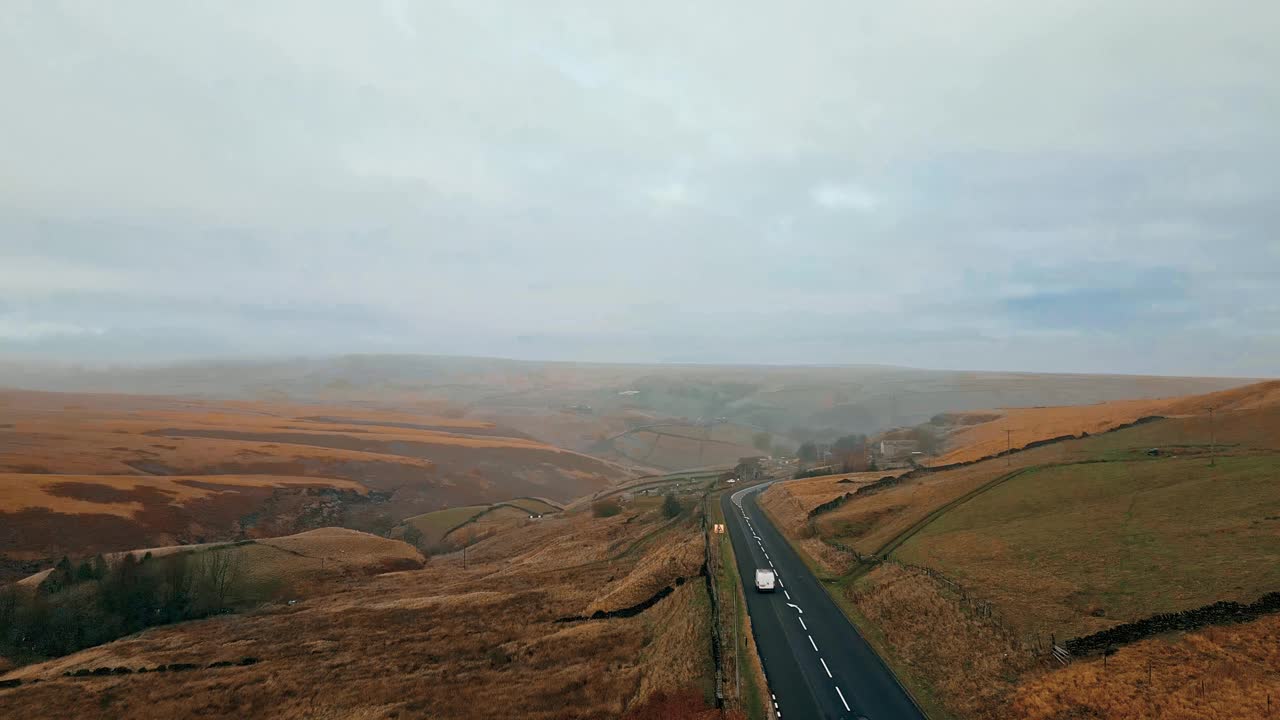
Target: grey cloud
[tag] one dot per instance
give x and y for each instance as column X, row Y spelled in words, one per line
column 919, row 182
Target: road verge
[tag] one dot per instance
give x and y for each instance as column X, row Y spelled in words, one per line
column 744, row 685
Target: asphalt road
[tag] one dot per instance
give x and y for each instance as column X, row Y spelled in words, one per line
column 817, row 664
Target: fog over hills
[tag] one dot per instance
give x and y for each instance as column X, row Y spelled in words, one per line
column 540, row 398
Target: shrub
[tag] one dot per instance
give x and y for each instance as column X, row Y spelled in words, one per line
column 498, row 657
column 412, row 535
column 671, row 507
column 605, row 508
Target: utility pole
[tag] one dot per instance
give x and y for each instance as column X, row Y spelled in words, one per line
column 1213, row 441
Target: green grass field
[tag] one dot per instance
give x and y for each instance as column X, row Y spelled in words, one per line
column 1077, row 548
column 434, row 525
column 533, row 506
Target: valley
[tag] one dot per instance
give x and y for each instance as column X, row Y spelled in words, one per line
column 87, row 473
column 395, row 560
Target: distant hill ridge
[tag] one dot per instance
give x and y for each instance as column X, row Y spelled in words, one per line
column 967, row 440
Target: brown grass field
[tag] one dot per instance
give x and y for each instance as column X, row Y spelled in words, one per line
column 978, row 668
column 678, row 446
column 1218, row 672
column 126, row 496
column 442, row 642
column 47, row 516
column 968, row 665
column 52, row 433
column 82, row 473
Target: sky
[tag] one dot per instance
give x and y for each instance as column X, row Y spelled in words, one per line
column 1049, row 186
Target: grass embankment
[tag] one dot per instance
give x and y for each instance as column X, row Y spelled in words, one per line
column 748, row 680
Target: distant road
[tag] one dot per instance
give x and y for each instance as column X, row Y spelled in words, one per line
column 817, row 664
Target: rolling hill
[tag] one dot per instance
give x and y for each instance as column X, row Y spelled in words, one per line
column 974, row 435
column 85, row 473
column 575, row 616
column 576, row 405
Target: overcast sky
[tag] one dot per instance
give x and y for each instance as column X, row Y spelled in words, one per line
column 1003, row 184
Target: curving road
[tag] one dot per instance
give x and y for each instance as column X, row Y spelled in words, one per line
column 817, row 664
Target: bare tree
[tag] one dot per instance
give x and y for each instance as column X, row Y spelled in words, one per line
column 178, row 585
column 218, row 575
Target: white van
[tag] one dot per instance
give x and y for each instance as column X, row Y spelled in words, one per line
column 766, row 580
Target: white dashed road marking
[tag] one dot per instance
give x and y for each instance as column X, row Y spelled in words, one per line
column 846, row 704
column 814, row 644
column 806, row 627
column 824, row 666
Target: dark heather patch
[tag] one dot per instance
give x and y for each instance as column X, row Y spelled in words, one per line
column 99, row 493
